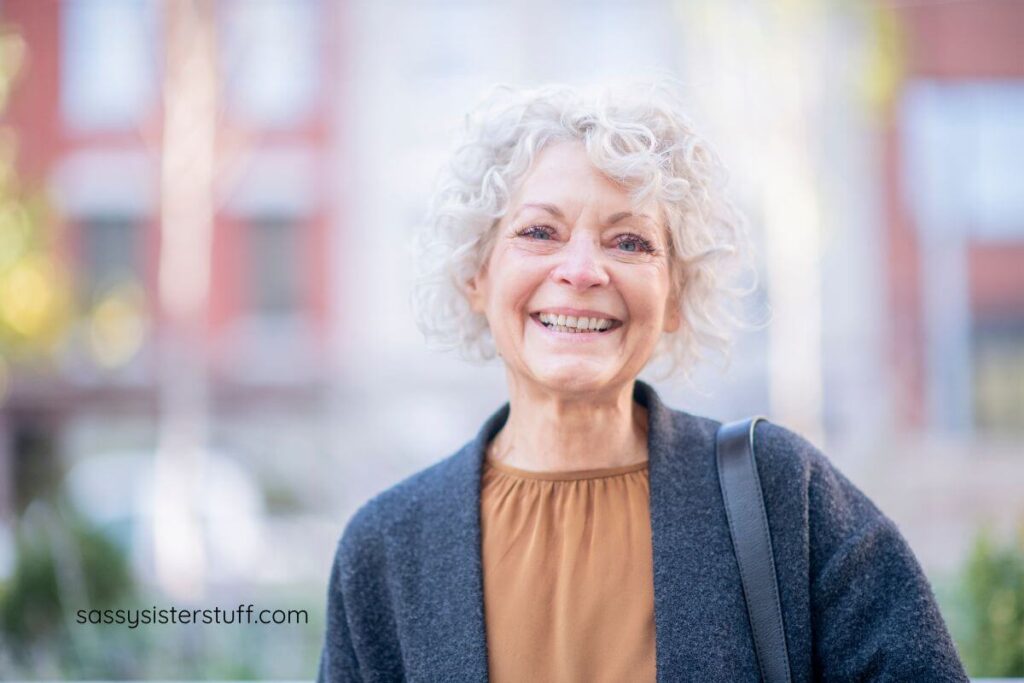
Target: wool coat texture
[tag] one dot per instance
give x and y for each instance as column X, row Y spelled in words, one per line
column 406, row 601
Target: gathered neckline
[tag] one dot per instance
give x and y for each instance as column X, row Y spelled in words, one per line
column 565, row 475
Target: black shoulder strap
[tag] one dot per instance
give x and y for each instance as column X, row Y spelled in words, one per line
column 748, row 524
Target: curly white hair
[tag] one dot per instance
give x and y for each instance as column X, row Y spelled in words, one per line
column 637, row 135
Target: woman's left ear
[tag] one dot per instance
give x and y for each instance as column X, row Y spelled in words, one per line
column 474, row 293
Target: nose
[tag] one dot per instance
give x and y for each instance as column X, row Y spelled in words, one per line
column 581, row 263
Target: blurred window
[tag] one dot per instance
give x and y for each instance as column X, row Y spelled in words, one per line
column 999, row 376
column 270, row 59
column 109, row 62
column 274, row 266
column 966, row 155
column 110, row 248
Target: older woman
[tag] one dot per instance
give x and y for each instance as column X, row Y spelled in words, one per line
column 581, row 534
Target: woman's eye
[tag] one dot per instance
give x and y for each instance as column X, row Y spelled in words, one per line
column 536, row 231
column 635, row 243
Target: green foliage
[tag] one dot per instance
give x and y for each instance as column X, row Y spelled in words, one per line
column 992, row 638
column 62, row 564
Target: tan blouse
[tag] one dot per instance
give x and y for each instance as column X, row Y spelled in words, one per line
column 568, row 574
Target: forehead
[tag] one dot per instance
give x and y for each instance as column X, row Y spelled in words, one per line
column 566, row 164
column 563, row 175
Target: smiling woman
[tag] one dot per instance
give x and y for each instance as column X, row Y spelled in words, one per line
column 581, row 535
column 563, row 261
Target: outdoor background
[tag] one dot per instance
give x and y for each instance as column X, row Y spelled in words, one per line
column 207, row 356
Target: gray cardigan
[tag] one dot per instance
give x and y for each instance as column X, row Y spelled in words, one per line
column 405, row 599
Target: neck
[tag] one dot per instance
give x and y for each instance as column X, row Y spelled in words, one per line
column 548, row 432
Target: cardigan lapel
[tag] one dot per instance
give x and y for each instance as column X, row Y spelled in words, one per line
column 689, row 536
column 696, row 604
column 452, row 607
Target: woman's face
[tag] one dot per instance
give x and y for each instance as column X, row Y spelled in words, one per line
column 571, row 244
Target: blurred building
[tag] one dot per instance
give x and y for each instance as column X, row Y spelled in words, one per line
column 953, row 182
column 90, row 111
column 232, row 185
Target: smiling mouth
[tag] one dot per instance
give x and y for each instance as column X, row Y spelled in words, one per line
column 593, row 326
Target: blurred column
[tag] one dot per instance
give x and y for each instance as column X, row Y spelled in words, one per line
column 186, row 213
column 934, row 166
column 792, row 218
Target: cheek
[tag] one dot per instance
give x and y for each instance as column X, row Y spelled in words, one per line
column 517, row 284
column 647, row 298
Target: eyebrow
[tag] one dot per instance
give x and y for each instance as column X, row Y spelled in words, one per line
column 555, row 211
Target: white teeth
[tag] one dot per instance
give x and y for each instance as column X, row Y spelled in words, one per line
column 569, row 323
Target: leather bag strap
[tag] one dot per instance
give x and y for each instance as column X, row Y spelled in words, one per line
column 752, row 543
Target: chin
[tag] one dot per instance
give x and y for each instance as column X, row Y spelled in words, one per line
column 573, row 377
